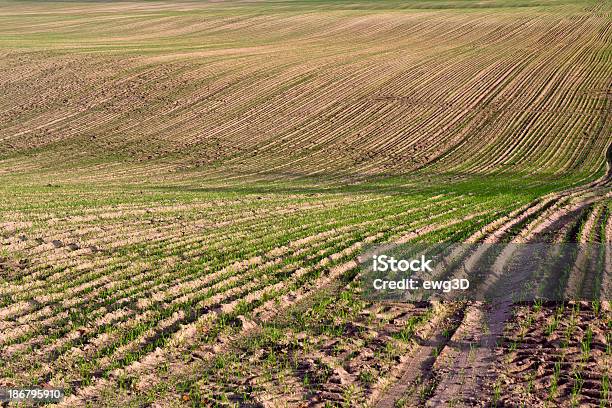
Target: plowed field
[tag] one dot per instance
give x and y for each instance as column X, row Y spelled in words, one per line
column 185, row 188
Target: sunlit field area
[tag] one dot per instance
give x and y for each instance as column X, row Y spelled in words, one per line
column 185, row 187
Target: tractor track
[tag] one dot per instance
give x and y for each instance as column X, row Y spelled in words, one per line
column 465, row 369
